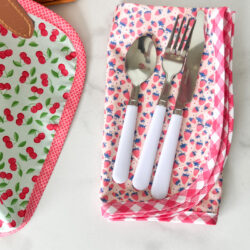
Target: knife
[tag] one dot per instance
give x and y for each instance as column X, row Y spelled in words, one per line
column 163, row 173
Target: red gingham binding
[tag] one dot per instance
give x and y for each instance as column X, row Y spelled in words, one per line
column 182, row 206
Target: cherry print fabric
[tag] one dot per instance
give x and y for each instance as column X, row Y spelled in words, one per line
column 41, row 79
column 195, row 189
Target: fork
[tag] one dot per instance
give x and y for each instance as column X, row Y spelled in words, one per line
column 173, row 62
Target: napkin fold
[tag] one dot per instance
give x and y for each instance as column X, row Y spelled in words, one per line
column 205, row 138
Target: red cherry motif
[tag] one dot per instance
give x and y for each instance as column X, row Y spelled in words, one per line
column 54, row 35
column 25, row 58
column 70, row 56
column 52, row 126
column 20, row 117
column 21, row 213
column 8, row 115
column 12, row 223
column 55, row 106
column 63, row 70
column 3, row 31
column 66, row 95
column 39, row 91
column 40, row 57
column 36, row 108
column 24, row 192
column 34, row 178
column 13, row 165
column 44, row 78
column 42, row 28
column 24, row 76
column 39, row 138
column 31, row 153
column 6, row 53
column 5, row 86
column 2, row 69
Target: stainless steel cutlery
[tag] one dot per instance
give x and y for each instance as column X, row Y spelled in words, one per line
column 182, row 54
column 162, row 176
column 173, row 61
column 140, row 63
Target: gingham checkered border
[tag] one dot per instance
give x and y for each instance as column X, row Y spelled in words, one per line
column 174, row 208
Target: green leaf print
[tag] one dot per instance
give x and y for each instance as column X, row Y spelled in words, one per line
column 13, row 202
column 7, row 96
column 41, row 161
column 46, row 150
column 2, row 44
column 32, row 131
column 65, row 49
column 33, row 81
column 2, row 130
column 17, row 89
column 47, row 102
column 29, row 121
column 23, row 157
column 33, row 98
column 49, row 53
column 14, row 104
column 44, row 114
column 16, row 136
column 10, row 73
column 1, row 156
column 30, row 170
column 21, row 43
column 33, row 71
column 39, row 122
column 63, row 38
column 55, row 60
column 35, row 33
column 51, row 88
column 23, row 204
column 33, row 44
column 10, row 209
column 54, row 73
column 62, row 87
column 20, row 172
column 2, row 165
column 16, row 63
column 17, row 187
column 3, row 184
column 22, row 144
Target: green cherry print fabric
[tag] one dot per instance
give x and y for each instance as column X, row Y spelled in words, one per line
column 36, row 76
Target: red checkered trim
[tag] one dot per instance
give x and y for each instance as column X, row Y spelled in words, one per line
column 175, row 208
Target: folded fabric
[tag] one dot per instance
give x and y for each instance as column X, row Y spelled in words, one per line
column 41, row 83
column 205, row 138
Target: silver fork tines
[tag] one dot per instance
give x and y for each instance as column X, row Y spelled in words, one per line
column 175, row 54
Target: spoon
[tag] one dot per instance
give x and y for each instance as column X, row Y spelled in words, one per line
column 139, row 64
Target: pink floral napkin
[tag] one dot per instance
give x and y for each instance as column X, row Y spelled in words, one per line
column 196, row 185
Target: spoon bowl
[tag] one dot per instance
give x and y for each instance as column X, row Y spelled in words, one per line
column 139, row 64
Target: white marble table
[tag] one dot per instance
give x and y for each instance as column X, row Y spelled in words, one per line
column 72, row 193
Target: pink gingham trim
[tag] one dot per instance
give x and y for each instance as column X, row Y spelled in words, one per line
column 69, row 110
column 174, row 209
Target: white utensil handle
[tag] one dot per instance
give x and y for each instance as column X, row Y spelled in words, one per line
column 163, row 173
column 146, row 162
column 123, row 156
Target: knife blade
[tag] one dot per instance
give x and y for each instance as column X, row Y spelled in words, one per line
column 192, row 64
column 163, row 172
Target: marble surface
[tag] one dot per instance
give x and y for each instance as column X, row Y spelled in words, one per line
column 68, row 216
